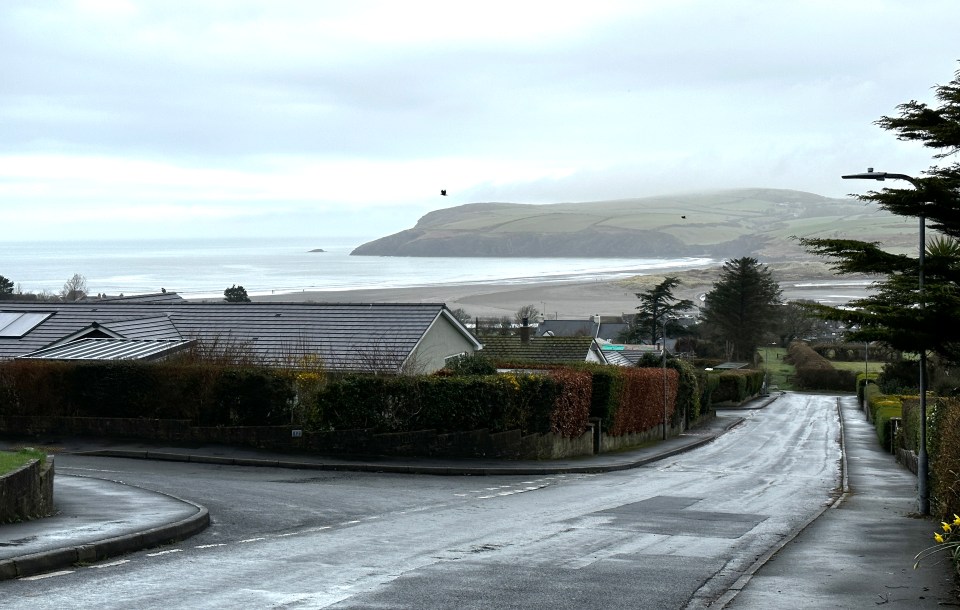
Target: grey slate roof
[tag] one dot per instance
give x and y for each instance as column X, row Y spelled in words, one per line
column 155, row 297
column 346, row 336
column 544, row 350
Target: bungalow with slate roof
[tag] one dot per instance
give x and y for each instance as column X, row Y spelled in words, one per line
column 542, row 350
column 376, row 337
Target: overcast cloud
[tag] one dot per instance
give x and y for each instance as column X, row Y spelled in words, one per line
column 227, row 118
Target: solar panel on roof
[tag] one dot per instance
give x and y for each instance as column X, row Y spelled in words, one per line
column 17, row 324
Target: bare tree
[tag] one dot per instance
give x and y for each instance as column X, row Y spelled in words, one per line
column 461, row 315
column 75, row 289
column 527, row 311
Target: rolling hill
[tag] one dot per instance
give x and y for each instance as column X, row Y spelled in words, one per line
column 719, row 224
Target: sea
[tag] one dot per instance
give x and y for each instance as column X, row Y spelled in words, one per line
column 203, row 268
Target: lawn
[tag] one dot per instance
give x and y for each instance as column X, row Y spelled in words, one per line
column 780, row 371
column 873, row 366
column 11, row 460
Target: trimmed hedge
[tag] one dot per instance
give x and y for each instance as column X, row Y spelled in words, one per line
column 207, row 394
column 557, row 401
column 864, row 379
column 631, row 400
column 910, row 431
column 943, row 440
column 883, row 407
column 814, row 372
column 735, row 386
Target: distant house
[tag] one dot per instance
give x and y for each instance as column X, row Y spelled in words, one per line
column 599, row 327
column 541, row 350
column 626, row 354
column 379, row 337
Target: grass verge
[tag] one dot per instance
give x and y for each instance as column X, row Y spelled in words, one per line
column 11, row 460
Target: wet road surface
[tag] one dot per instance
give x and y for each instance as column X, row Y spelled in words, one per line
column 674, row 534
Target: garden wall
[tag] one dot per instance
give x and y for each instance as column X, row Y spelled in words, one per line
column 27, row 493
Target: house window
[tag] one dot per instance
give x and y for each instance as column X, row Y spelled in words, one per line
column 16, row 324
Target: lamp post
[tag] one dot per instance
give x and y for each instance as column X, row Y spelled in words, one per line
column 923, row 464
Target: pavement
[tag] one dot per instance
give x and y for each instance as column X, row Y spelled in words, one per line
column 858, row 552
column 855, row 554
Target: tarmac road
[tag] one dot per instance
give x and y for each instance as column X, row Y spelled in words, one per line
column 676, row 533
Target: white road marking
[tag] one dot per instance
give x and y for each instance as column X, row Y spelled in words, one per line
column 158, row 553
column 111, row 564
column 48, row 575
column 252, row 540
column 209, row 546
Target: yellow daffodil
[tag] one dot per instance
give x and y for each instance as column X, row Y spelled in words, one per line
column 956, row 519
column 946, row 526
column 938, row 537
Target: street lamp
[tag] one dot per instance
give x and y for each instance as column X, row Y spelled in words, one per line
column 923, row 464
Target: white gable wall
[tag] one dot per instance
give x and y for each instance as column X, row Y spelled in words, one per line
column 441, row 341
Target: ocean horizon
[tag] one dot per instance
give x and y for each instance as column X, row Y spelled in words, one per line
column 203, row 268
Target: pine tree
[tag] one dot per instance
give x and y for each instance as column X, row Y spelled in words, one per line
column 899, row 313
column 657, row 305
column 743, row 306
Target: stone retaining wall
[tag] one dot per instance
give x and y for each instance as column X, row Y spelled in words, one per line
column 27, row 493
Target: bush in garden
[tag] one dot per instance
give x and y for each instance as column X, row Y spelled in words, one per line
column 901, row 377
column 472, row 364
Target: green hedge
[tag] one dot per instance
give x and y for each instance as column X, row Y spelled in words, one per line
column 814, row 372
column 558, row 400
column 864, row 379
column 735, row 386
column 882, row 407
column 551, row 402
column 943, row 441
column 910, row 431
column 206, row 394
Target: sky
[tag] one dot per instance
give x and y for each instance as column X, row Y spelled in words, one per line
column 233, row 118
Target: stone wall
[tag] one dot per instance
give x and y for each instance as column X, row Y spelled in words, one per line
column 27, row 493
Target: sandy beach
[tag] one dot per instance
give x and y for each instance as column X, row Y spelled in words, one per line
column 581, row 299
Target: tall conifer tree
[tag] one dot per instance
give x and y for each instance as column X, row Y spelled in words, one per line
column 899, row 313
column 657, row 306
column 743, row 306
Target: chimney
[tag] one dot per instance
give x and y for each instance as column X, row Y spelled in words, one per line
column 525, row 331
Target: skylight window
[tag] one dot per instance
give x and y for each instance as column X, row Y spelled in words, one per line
column 16, row 324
